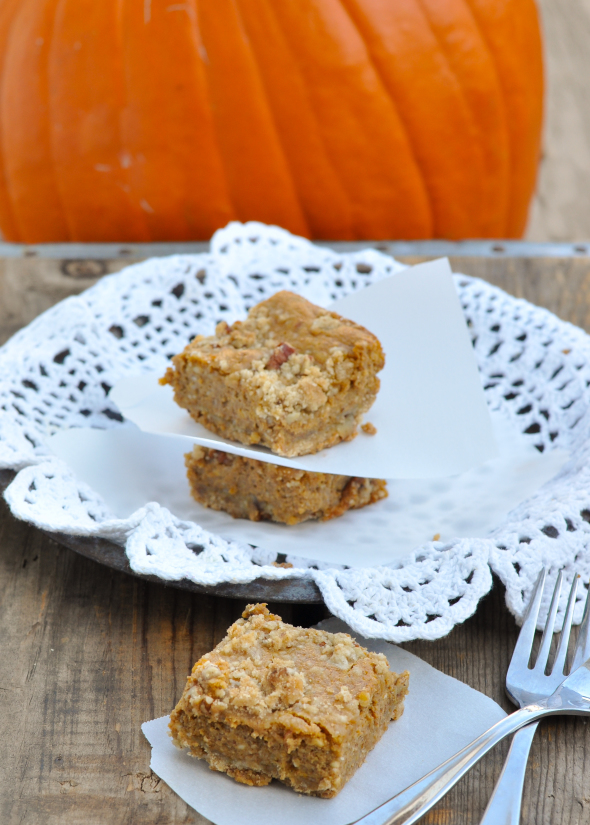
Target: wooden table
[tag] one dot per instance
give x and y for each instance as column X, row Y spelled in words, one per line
column 88, row 654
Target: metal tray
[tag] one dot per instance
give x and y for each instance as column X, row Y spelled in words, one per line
column 298, row 590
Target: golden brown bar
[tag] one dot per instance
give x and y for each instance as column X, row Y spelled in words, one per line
column 273, row 701
column 293, row 377
column 259, row 491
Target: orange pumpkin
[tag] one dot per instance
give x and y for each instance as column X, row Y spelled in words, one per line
column 141, row 120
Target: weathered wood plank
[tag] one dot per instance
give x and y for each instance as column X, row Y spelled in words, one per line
column 561, row 285
column 28, row 286
column 90, row 653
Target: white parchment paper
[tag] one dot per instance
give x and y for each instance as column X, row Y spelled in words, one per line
column 130, row 468
column 441, row 716
column 431, row 415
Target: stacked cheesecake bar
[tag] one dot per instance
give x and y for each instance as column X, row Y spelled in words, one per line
column 292, row 377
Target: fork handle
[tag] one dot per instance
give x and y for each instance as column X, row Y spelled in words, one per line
column 409, row 805
column 505, row 802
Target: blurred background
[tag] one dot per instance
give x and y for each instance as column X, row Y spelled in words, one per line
column 561, row 207
column 410, row 122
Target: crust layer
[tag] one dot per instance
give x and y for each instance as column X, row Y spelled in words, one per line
column 260, row 491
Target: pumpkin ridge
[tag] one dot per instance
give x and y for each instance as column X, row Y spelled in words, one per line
column 42, row 217
column 86, row 117
column 58, row 189
column 494, row 62
column 199, row 34
column 522, row 179
column 257, row 173
column 120, row 40
column 468, row 108
column 276, row 130
column 344, row 195
column 366, row 139
column 439, row 188
column 199, row 37
column 407, row 131
column 164, row 104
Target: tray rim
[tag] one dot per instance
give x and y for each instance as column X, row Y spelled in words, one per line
column 131, row 251
column 299, row 590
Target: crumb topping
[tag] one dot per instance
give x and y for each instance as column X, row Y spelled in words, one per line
column 291, row 376
column 276, row 701
column 317, row 682
column 288, row 353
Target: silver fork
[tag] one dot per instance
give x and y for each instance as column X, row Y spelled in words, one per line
column 572, row 697
column 525, row 685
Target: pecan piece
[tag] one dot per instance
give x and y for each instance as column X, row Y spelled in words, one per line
column 281, row 354
column 221, row 457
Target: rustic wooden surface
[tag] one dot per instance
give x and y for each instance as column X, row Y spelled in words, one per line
column 30, row 285
column 88, row 653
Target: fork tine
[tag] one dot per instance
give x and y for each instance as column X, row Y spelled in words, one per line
column 582, row 651
column 543, row 654
column 524, row 643
column 560, row 656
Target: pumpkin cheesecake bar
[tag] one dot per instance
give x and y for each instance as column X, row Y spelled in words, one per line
column 292, row 377
column 259, row 491
column 273, row 701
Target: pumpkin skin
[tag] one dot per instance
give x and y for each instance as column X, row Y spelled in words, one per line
column 143, row 120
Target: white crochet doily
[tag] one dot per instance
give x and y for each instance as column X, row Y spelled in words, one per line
column 57, row 373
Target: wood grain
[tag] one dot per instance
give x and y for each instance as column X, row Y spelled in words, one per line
column 561, row 285
column 30, row 285
column 89, row 653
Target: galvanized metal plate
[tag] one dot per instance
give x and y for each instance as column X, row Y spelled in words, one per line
column 298, row 590
column 429, row 249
